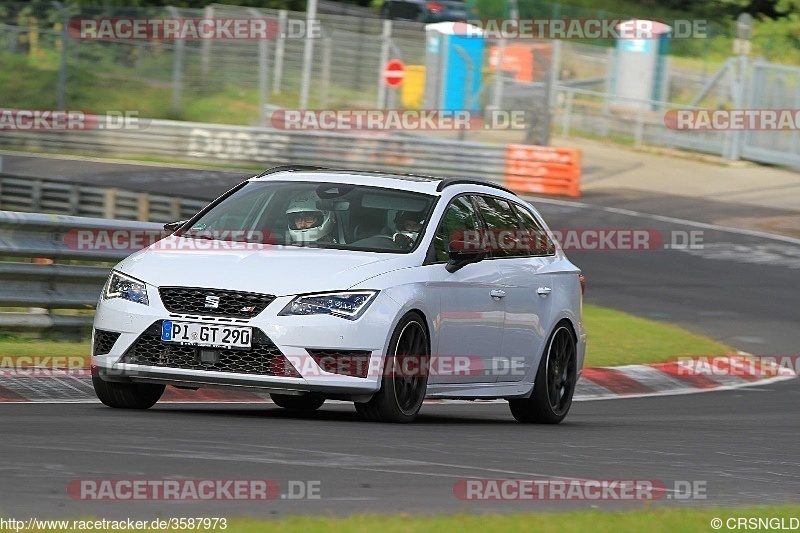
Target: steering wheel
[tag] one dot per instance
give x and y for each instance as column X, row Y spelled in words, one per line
column 403, row 241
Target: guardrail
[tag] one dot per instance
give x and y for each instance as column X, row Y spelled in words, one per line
column 369, row 150
column 50, row 196
column 44, row 284
column 395, row 152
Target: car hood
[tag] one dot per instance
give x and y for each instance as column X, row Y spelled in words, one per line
column 277, row 270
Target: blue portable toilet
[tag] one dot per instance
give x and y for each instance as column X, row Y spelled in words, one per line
column 640, row 69
column 453, row 66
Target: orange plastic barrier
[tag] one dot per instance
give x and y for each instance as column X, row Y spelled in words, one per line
column 543, row 170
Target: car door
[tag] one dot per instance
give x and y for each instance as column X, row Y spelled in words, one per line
column 521, row 252
column 470, row 321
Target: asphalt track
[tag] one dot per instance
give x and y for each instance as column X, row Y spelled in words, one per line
column 739, row 446
column 740, row 288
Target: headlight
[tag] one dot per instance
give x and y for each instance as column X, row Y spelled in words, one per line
column 125, row 287
column 349, row 305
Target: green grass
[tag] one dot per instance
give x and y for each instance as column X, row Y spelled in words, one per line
column 667, row 520
column 17, row 347
column 615, row 338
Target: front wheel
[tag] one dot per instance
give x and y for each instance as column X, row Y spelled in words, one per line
column 555, row 382
column 405, row 378
column 305, row 402
column 127, row 395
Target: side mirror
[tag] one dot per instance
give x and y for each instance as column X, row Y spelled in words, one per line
column 173, row 226
column 461, row 255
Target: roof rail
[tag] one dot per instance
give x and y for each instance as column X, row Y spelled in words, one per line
column 290, row 168
column 470, row 181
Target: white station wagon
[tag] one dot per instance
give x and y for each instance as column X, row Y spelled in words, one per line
column 312, row 284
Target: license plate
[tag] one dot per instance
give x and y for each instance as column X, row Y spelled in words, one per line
column 213, row 335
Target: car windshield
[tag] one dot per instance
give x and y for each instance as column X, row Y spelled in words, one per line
column 326, row 215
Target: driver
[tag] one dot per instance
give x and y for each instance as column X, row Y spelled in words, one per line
column 408, row 224
column 306, row 222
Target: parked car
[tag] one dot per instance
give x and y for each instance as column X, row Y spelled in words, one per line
column 381, row 289
column 428, row 10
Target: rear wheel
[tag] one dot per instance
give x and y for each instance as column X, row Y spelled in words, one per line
column 127, row 395
column 306, row 402
column 405, row 379
column 555, row 382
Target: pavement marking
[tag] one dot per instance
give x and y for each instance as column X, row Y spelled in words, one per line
column 662, row 218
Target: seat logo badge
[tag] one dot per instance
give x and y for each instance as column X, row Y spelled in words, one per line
column 212, row 302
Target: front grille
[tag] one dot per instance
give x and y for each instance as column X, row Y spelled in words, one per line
column 104, row 341
column 192, row 300
column 354, row 363
column 264, row 358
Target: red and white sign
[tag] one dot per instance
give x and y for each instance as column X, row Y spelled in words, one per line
column 394, row 73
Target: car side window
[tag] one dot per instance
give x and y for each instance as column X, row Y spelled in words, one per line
column 502, row 227
column 459, row 217
column 538, row 241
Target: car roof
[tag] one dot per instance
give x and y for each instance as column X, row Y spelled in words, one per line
column 407, row 182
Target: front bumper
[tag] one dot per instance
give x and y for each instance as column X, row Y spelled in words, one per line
column 292, row 337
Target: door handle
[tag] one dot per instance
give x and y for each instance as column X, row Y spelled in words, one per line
column 497, row 293
column 543, row 291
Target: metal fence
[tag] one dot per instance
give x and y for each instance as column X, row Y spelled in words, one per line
column 48, row 196
column 572, row 92
column 345, row 70
column 31, row 244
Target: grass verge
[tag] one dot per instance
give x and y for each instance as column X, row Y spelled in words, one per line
column 656, row 520
column 615, row 338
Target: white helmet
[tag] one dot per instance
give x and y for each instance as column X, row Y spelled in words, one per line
column 306, row 203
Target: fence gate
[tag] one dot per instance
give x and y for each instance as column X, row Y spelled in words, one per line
column 776, row 87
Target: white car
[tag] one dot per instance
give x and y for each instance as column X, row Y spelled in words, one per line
column 312, row 284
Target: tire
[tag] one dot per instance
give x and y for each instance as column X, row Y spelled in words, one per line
column 127, row 395
column 306, row 402
column 554, row 384
column 401, row 394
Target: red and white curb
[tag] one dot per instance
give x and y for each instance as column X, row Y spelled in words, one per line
column 596, row 383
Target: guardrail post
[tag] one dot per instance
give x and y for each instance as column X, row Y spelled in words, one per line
column 36, row 196
column 143, row 207
column 639, row 130
column 174, row 209
column 110, row 203
column 74, row 200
